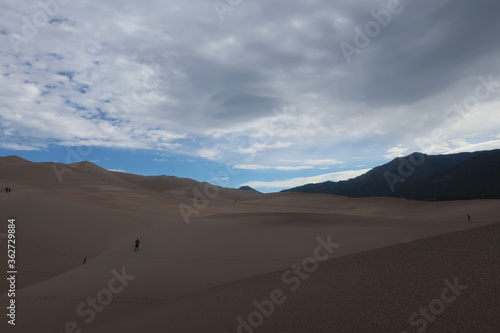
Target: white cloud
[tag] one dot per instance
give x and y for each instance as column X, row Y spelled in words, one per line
column 251, row 167
column 289, row 183
column 471, row 147
column 151, row 84
column 437, row 148
column 210, row 154
column 25, row 147
column 221, row 178
column 323, row 162
column 459, row 146
column 293, row 168
column 258, row 147
column 396, row 152
column 313, row 162
column 265, row 167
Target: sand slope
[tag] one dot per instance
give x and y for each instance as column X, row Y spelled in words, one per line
column 213, row 267
column 375, row 291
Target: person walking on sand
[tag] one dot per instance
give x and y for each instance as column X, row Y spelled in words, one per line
column 468, row 216
column 137, row 241
column 84, row 260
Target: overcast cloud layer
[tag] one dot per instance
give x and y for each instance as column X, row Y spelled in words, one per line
column 261, row 84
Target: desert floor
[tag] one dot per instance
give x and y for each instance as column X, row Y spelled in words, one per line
column 388, row 258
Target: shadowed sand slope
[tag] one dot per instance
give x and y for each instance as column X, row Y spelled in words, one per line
column 374, row 291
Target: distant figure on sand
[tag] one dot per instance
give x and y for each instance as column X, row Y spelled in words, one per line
column 84, row 260
column 468, row 216
column 137, row 241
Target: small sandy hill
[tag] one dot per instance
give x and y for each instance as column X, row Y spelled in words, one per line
column 36, row 174
column 157, row 183
column 217, row 193
column 95, row 170
column 63, row 181
column 12, row 159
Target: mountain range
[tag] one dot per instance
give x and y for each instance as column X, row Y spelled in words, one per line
column 419, row 176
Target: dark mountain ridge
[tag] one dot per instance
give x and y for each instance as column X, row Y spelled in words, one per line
column 423, row 177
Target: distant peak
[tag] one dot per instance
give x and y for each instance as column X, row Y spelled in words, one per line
column 247, row 188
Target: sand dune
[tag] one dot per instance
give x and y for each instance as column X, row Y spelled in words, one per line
column 199, row 277
column 375, row 291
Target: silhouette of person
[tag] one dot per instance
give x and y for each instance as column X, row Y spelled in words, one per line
column 9, row 189
column 137, row 241
column 6, row 190
column 468, row 216
column 84, row 260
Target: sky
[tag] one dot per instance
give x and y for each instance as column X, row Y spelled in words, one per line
column 272, row 94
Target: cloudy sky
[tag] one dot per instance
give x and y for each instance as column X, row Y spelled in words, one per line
column 272, row 94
